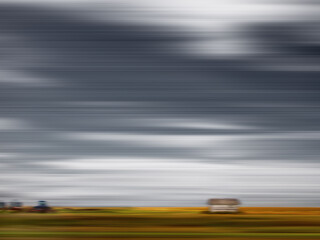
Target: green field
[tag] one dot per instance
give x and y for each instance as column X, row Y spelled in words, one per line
column 160, row 223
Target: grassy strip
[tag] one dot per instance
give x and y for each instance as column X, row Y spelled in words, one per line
column 157, row 234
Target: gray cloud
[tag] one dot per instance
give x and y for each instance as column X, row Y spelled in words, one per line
column 97, row 111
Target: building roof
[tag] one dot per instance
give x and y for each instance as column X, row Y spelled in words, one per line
column 223, row 201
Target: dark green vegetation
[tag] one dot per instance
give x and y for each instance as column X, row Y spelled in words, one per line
column 156, row 223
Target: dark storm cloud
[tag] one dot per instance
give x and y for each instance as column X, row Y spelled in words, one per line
column 118, row 110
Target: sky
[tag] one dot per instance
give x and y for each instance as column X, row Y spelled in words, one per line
column 160, row 103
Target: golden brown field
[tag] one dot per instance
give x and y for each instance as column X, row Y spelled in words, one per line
column 159, row 223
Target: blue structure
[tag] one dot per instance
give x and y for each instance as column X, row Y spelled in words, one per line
column 42, row 204
column 42, row 207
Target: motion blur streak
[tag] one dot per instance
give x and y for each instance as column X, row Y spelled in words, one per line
column 160, row 103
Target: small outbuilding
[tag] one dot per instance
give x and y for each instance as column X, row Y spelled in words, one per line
column 3, row 205
column 15, row 205
column 228, row 205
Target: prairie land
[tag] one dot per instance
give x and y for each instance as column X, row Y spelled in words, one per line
column 162, row 223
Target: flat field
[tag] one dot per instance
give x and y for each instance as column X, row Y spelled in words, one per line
column 162, row 223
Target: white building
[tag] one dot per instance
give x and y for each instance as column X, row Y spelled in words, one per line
column 223, row 205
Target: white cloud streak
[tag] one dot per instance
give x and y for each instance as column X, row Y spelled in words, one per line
column 11, row 124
